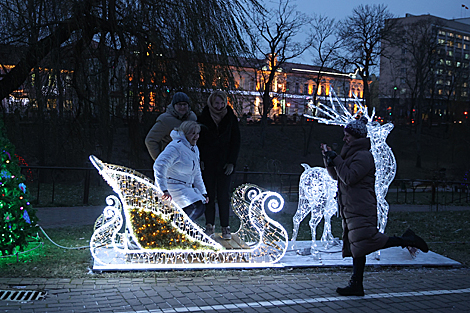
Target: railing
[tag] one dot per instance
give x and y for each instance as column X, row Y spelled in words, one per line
column 72, row 186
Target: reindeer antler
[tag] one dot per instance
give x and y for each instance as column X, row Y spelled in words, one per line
column 342, row 116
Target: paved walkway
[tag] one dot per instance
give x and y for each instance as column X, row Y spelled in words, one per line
column 388, row 289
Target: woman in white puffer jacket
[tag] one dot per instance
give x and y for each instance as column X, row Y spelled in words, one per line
column 178, row 173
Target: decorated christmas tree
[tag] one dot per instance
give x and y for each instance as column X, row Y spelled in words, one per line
column 17, row 216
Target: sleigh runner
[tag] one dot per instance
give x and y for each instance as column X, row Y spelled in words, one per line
column 137, row 229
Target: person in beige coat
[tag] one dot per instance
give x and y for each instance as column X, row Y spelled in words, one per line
column 354, row 169
column 176, row 113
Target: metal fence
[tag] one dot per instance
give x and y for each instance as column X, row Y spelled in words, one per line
column 73, row 186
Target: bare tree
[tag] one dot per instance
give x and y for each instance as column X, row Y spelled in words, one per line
column 362, row 34
column 324, row 46
column 273, row 37
column 417, row 43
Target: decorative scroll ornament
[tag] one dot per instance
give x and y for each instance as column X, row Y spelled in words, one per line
column 335, row 113
column 138, row 230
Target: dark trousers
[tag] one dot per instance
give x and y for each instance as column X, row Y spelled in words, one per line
column 359, row 263
column 195, row 210
column 218, row 187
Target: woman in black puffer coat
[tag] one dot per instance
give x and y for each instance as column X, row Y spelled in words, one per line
column 354, row 169
column 219, row 145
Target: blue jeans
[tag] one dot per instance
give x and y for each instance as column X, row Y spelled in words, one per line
column 195, row 210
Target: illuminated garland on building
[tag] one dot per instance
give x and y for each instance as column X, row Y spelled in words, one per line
column 159, row 234
column 335, row 113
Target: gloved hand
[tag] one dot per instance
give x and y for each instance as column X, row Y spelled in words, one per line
column 329, row 157
column 228, row 168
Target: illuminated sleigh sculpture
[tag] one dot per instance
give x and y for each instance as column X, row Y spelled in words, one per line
column 158, row 234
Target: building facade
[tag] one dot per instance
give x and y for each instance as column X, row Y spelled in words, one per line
column 425, row 73
column 294, row 91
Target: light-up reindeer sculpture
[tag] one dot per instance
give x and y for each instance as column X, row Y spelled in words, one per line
column 335, row 113
column 317, row 192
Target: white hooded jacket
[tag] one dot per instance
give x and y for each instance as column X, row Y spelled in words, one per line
column 177, row 170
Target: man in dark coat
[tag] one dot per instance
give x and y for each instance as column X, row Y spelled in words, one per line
column 354, row 169
column 219, row 145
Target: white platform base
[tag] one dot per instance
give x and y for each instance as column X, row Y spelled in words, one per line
column 295, row 258
column 332, row 257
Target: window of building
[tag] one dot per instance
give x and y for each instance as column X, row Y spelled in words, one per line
column 459, row 45
column 441, row 32
column 450, row 43
column 305, row 89
column 466, row 38
column 448, row 62
column 450, row 53
column 403, row 71
column 251, row 85
column 466, row 56
column 297, row 88
column 458, row 64
column 459, row 36
column 439, row 92
column 450, row 34
column 403, row 51
column 441, row 61
column 464, row 93
column 402, row 81
column 441, row 41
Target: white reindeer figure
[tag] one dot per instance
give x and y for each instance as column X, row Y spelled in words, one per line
column 385, row 163
column 317, row 192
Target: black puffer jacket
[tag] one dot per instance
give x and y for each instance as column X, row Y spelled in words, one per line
column 219, row 145
column 355, row 171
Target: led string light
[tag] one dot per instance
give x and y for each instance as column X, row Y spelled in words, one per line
column 317, row 192
column 137, row 229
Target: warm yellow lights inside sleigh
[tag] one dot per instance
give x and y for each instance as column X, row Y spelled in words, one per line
column 139, row 230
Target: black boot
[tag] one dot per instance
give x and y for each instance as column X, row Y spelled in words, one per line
column 410, row 239
column 354, row 288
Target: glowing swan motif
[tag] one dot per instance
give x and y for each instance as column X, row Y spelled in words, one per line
column 137, row 229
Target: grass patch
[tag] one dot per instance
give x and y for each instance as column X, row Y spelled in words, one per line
column 445, row 232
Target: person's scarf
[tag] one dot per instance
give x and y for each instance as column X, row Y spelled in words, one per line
column 217, row 115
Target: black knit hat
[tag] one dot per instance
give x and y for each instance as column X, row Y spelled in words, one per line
column 180, row 97
column 357, row 128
